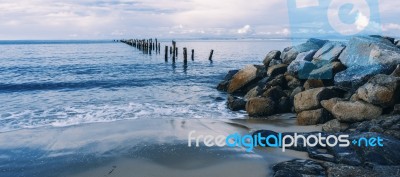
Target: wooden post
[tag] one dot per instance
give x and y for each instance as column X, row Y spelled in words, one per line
column 159, row 48
column 166, row 53
column 170, row 50
column 174, row 51
column 211, row 54
column 192, row 54
column 184, row 56
column 156, row 46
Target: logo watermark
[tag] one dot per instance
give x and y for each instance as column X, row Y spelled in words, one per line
column 249, row 141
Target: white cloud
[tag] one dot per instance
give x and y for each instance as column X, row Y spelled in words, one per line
column 245, row 30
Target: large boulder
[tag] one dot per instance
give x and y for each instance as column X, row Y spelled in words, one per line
column 310, row 99
column 301, row 69
column 382, row 90
column 250, row 74
column 329, row 52
column 275, row 54
column 223, row 85
column 366, row 51
column 259, row 106
column 356, row 76
column 313, row 83
column 385, row 124
column 349, row 111
column 275, row 93
column 290, row 53
column 332, row 126
column 313, row 117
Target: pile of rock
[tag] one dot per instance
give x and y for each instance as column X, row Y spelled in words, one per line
column 321, row 80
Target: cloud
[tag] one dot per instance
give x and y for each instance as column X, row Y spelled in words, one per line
column 245, row 30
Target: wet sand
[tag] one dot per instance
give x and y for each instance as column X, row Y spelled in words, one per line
column 142, row 147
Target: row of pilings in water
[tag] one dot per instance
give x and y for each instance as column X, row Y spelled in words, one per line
column 148, row 46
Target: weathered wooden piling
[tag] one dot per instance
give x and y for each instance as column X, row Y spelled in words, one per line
column 170, row 51
column 211, row 54
column 166, row 53
column 174, row 51
column 184, row 56
column 192, row 54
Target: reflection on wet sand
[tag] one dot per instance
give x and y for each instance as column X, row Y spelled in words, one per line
column 140, row 147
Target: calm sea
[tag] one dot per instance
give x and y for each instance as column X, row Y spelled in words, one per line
column 62, row 83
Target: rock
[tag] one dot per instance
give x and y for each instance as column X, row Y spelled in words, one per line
column 339, row 170
column 332, row 126
column 275, row 62
column 276, row 81
column 275, row 93
column 356, row 76
column 312, row 83
column 298, row 168
column 290, row 53
column 396, row 109
column 223, row 85
column 235, row 103
column 254, row 92
column 275, row 54
column 306, row 56
column 327, row 71
column 276, row 70
column 390, row 39
column 390, row 124
column 292, row 82
column 388, row 154
column 397, row 43
column 259, row 106
column 396, row 72
column 302, row 69
column 367, row 51
column 347, row 111
column 329, row 52
column 246, row 76
column 284, row 105
column 313, row 117
column 296, row 91
column 382, row 90
column 310, row 99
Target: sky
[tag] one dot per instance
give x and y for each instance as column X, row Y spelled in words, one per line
column 90, row 19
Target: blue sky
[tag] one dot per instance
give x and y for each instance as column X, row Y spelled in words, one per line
column 89, row 19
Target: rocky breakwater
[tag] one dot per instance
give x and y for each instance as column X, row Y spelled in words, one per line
column 350, row 87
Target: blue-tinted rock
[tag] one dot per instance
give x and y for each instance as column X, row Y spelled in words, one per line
column 329, row 52
column 298, row 168
column 356, row 76
column 290, row 53
column 302, row 69
column 273, row 55
column 367, row 51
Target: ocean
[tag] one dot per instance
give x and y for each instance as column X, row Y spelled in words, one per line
column 63, row 83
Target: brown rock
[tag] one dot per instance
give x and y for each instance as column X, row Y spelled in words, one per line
column 332, row 126
column 313, row 117
column 252, row 93
column 310, row 99
column 348, row 111
column 275, row 93
column 245, row 76
column 259, row 106
column 312, row 83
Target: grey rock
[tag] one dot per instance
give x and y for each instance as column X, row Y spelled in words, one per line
column 356, row 76
column 382, row 90
column 275, row 62
column 275, row 93
column 299, row 168
column 330, row 51
column 367, row 51
column 289, row 54
column 301, row 69
column 276, row 70
column 235, row 103
column 327, row 71
column 390, row 124
column 332, row 126
column 275, row 54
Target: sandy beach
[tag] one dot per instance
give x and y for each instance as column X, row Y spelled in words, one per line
column 141, row 148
